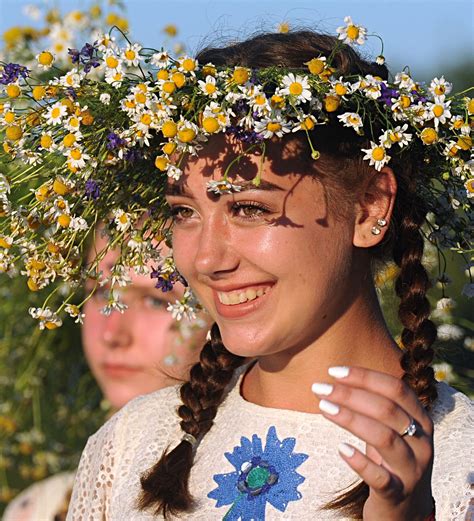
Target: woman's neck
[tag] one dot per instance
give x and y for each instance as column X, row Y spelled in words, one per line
column 358, row 338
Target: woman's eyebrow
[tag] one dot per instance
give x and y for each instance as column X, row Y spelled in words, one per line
column 245, row 186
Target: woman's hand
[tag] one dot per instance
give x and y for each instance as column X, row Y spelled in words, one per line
column 378, row 408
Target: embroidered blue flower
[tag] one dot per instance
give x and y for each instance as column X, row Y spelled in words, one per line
column 260, row 476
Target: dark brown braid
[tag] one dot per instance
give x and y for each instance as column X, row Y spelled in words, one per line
column 165, row 487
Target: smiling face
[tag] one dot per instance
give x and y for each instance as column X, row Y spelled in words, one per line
column 143, row 349
column 272, row 264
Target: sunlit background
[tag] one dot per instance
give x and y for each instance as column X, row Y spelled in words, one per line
column 49, row 403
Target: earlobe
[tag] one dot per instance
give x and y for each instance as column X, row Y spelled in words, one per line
column 374, row 208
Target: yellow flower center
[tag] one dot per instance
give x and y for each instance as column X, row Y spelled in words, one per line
column 179, row 79
column 210, row 125
column 56, row 112
column 59, row 187
column 76, row 154
column 378, row 153
column 140, row 97
column 469, row 186
column 240, row 76
column 46, row 140
column 161, row 162
column 353, row 32
column 210, row 88
column 130, row 54
column 405, row 101
column 64, row 220
column 9, row 117
column 32, row 285
column 38, row 92
column 13, row 91
column 145, row 119
column 464, row 142
column 429, row 136
column 169, row 87
column 273, row 126
column 186, row 135
column 331, row 103
column 316, row 66
column 162, row 74
column 394, row 137
column 4, row 243
column 111, row 62
column 123, row 219
column 440, row 90
column 296, row 88
column 438, row 110
column 45, row 58
column 169, row 148
column 13, row 133
column 277, row 101
column 74, row 122
column 208, row 70
column 169, row 129
column 470, row 105
column 118, row 76
column 189, row 64
column 458, row 123
column 69, row 140
column 130, row 104
column 307, row 124
column 260, row 99
column 340, row 89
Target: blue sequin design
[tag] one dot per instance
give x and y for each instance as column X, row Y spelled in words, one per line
column 261, row 476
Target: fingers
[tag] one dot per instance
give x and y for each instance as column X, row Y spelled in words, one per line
column 384, row 385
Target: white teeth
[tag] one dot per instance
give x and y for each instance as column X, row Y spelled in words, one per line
column 239, row 297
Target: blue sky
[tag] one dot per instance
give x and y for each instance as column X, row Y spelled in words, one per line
column 428, row 35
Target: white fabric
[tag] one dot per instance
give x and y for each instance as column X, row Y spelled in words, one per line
column 41, row 501
column 107, row 484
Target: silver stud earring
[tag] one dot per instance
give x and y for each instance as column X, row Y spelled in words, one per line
column 375, row 230
column 382, row 222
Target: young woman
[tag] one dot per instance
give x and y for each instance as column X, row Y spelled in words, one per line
column 302, row 405
column 130, row 354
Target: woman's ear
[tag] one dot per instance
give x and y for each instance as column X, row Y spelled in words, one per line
column 374, row 208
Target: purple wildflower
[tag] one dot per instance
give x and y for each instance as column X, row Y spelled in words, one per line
column 87, row 56
column 387, row 94
column 115, row 141
column 247, row 136
column 166, row 280
column 92, row 190
column 12, row 71
column 132, row 155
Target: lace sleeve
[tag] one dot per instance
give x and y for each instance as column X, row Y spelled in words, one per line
column 92, row 486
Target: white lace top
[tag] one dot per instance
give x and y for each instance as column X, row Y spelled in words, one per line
column 256, row 463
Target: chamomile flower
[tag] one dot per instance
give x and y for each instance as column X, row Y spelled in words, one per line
column 74, row 312
column 439, row 110
column 76, row 157
column 396, row 135
column 160, row 59
column 341, row 88
column 105, row 42
column 443, row 372
column 55, row 113
column 115, row 77
column 188, row 65
column 131, row 55
column 269, row 127
column 121, row 219
column 460, row 124
column 440, row 87
column 104, row 98
column 209, row 87
column 47, row 318
column 223, row 186
column 469, row 186
column 377, row 155
column 297, row 87
column 351, row 32
column 306, row 122
column 112, row 61
column 351, row 119
column 72, row 79
column 45, row 60
column 174, row 172
column 404, row 81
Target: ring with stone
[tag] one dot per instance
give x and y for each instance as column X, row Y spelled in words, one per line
column 410, row 430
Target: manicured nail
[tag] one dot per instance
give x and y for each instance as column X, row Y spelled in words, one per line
column 329, row 407
column 346, row 450
column 338, row 371
column 320, row 388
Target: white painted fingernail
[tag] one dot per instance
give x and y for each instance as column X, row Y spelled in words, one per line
column 346, row 450
column 339, row 371
column 320, row 388
column 329, row 407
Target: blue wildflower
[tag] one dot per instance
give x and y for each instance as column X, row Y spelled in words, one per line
column 260, row 476
column 165, row 279
column 87, row 56
column 12, row 71
column 92, row 190
column 114, row 141
column 387, row 94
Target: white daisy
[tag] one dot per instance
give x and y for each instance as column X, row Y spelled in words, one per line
column 174, row 172
column 440, row 87
column 448, row 332
column 396, row 135
column 55, row 113
column 72, row 79
column 105, row 98
column 377, row 155
column 351, row 119
column 76, row 157
column 352, row 33
column 209, row 87
column 131, row 55
column 443, row 372
column 121, row 219
column 114, row 77
column 296, row 86
column 405, row 81
column 222, row 187
column 160, row 59
column 270, row 127
column 439, row 110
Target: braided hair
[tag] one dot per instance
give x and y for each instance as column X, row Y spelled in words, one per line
column 165, row 486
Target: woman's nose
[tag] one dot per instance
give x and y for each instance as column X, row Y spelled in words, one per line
column 117, row 332
column 216, row 252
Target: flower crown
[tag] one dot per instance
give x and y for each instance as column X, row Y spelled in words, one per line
column 97, row 143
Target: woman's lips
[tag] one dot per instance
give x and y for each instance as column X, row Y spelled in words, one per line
column 242, row 301
column 120, row 371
